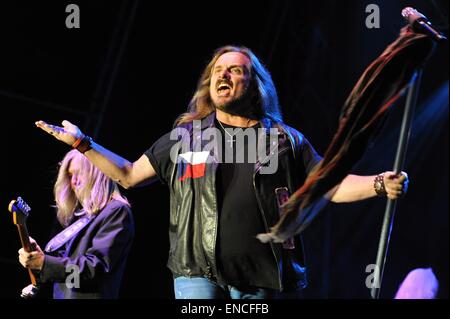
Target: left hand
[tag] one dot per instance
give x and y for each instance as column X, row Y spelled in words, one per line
column 395, row 185
column 33, row 260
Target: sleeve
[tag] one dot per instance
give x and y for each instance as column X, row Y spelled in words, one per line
column 110, row 244
column 159, row 156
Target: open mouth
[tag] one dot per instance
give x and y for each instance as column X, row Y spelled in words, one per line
column 223, row 88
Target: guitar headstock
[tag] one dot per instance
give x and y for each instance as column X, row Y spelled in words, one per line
column 20, row 210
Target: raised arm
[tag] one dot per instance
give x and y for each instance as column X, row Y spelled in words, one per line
column 119, row 169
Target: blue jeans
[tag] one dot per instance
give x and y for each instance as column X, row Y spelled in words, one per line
column 203, row 288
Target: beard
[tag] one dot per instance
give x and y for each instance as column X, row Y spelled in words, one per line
column 248, row 105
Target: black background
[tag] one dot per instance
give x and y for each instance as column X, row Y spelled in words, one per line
column 132, row 68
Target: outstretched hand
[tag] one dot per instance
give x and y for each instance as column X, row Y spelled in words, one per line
column 68, row 133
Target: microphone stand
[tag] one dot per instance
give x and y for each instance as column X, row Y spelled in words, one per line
column 389, row 213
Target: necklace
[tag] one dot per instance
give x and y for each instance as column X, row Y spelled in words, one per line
column 231, row 140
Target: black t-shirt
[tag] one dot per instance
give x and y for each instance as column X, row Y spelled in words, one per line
column 242, row 259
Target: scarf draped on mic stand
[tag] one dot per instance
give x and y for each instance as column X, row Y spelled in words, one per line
column 379, row 87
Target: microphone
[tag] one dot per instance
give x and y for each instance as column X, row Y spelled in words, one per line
column 420, row 23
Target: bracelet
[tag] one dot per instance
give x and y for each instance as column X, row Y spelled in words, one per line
column 83, row 144
column 77, row 142
column 378, row 185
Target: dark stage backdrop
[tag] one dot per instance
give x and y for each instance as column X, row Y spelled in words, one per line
column 132, row 67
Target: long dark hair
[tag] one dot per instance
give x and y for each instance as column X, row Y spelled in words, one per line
column 201, row 105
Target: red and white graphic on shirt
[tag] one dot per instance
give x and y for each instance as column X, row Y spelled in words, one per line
column 192, row 165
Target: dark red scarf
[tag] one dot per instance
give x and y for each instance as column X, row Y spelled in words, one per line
column 380, row 86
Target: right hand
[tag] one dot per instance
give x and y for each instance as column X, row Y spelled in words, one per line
column 68, row 133
column 34, row 259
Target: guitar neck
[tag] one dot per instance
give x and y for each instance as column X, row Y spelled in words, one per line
column 26, row 244
column 20, row 211
column 25, row 238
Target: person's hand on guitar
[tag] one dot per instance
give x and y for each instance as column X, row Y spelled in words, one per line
column 68, row 133
column 33, row 260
